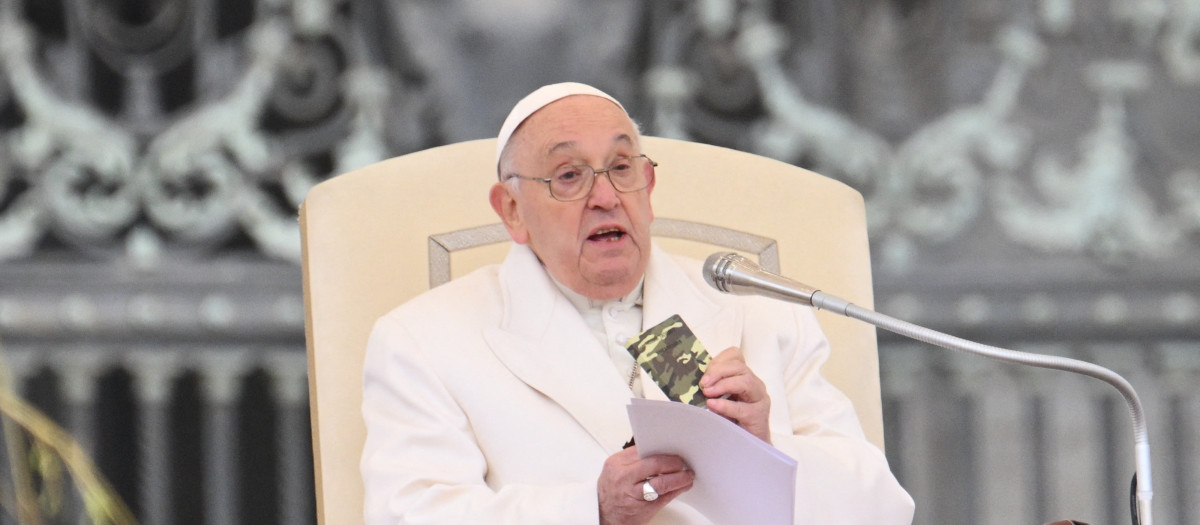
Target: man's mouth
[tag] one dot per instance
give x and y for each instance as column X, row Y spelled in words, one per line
column 607, row 235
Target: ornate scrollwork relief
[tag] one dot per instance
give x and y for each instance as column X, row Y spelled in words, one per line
column 180, row 125
column 1094, row 204
column 183, row 126
column 988, row 159
column 1179, row 52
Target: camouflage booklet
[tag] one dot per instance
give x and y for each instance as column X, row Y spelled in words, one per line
column 674, row 358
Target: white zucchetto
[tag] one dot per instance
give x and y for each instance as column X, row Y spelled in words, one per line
column 539, row 99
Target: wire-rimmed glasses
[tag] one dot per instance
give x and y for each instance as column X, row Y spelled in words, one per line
column 574, row 182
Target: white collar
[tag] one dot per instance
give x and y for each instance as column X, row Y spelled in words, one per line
column 584, row 303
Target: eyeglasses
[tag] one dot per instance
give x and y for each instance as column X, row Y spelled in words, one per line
column 571, row 183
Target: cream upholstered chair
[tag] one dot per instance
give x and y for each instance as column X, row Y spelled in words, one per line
column 380, row 235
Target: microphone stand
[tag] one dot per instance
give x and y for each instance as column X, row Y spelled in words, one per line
column 751, row 279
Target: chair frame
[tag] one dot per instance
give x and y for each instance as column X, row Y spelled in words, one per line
column 792, row 220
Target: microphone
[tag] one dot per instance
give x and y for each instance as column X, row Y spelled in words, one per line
column 734, row 274
column 737, row 275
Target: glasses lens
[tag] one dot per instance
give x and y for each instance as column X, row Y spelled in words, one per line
column 571, row 182
column 628, row 174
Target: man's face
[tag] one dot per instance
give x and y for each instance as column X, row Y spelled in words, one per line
column 598, row 246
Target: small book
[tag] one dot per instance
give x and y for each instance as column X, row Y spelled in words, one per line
column 674, row 358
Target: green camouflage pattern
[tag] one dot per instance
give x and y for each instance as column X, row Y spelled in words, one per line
column 674, row 358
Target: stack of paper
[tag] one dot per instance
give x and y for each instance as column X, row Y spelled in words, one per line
column 739, row 478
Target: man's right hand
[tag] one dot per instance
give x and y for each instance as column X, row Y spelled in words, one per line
column 620, row 486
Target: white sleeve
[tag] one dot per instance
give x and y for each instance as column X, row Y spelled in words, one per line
column 841, row 477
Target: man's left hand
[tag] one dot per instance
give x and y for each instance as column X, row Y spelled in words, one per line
column 747, row 403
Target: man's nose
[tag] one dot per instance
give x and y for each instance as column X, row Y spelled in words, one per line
column 603, row 193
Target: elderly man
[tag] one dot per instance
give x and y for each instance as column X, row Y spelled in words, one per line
column 500, row 397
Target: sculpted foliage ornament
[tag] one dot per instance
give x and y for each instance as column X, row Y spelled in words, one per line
column 280, row 102
column 983, row 161
column 203, row 124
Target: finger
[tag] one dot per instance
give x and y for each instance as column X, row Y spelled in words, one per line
column 750, row 416
column 732, row 410
column 673, row 482
column 726, row 386
column 746, row 388
column 658, row 465
column 728, row 363
column 667, row 487
column 727, row 357
column 732, row 377
column 638, row 469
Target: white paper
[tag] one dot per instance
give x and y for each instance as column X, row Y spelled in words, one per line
column 740, row 479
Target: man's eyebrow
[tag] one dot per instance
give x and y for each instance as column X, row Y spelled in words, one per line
column 570, row 144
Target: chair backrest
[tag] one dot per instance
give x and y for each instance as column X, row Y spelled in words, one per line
column 375, row 237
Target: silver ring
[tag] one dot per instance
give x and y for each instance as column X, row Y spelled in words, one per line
column 648, row 492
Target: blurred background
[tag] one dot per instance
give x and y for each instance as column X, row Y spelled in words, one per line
column 1031, row 170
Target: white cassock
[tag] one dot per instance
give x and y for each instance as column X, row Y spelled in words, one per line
column 488, row 400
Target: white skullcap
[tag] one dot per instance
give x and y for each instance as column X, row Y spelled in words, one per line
column 539, row 99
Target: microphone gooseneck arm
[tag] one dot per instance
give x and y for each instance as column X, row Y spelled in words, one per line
column 734, row 274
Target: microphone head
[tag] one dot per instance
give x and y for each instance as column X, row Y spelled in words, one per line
column 716, row 269
column 734, row 274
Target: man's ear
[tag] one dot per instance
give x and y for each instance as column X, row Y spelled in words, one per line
column 504, row 203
